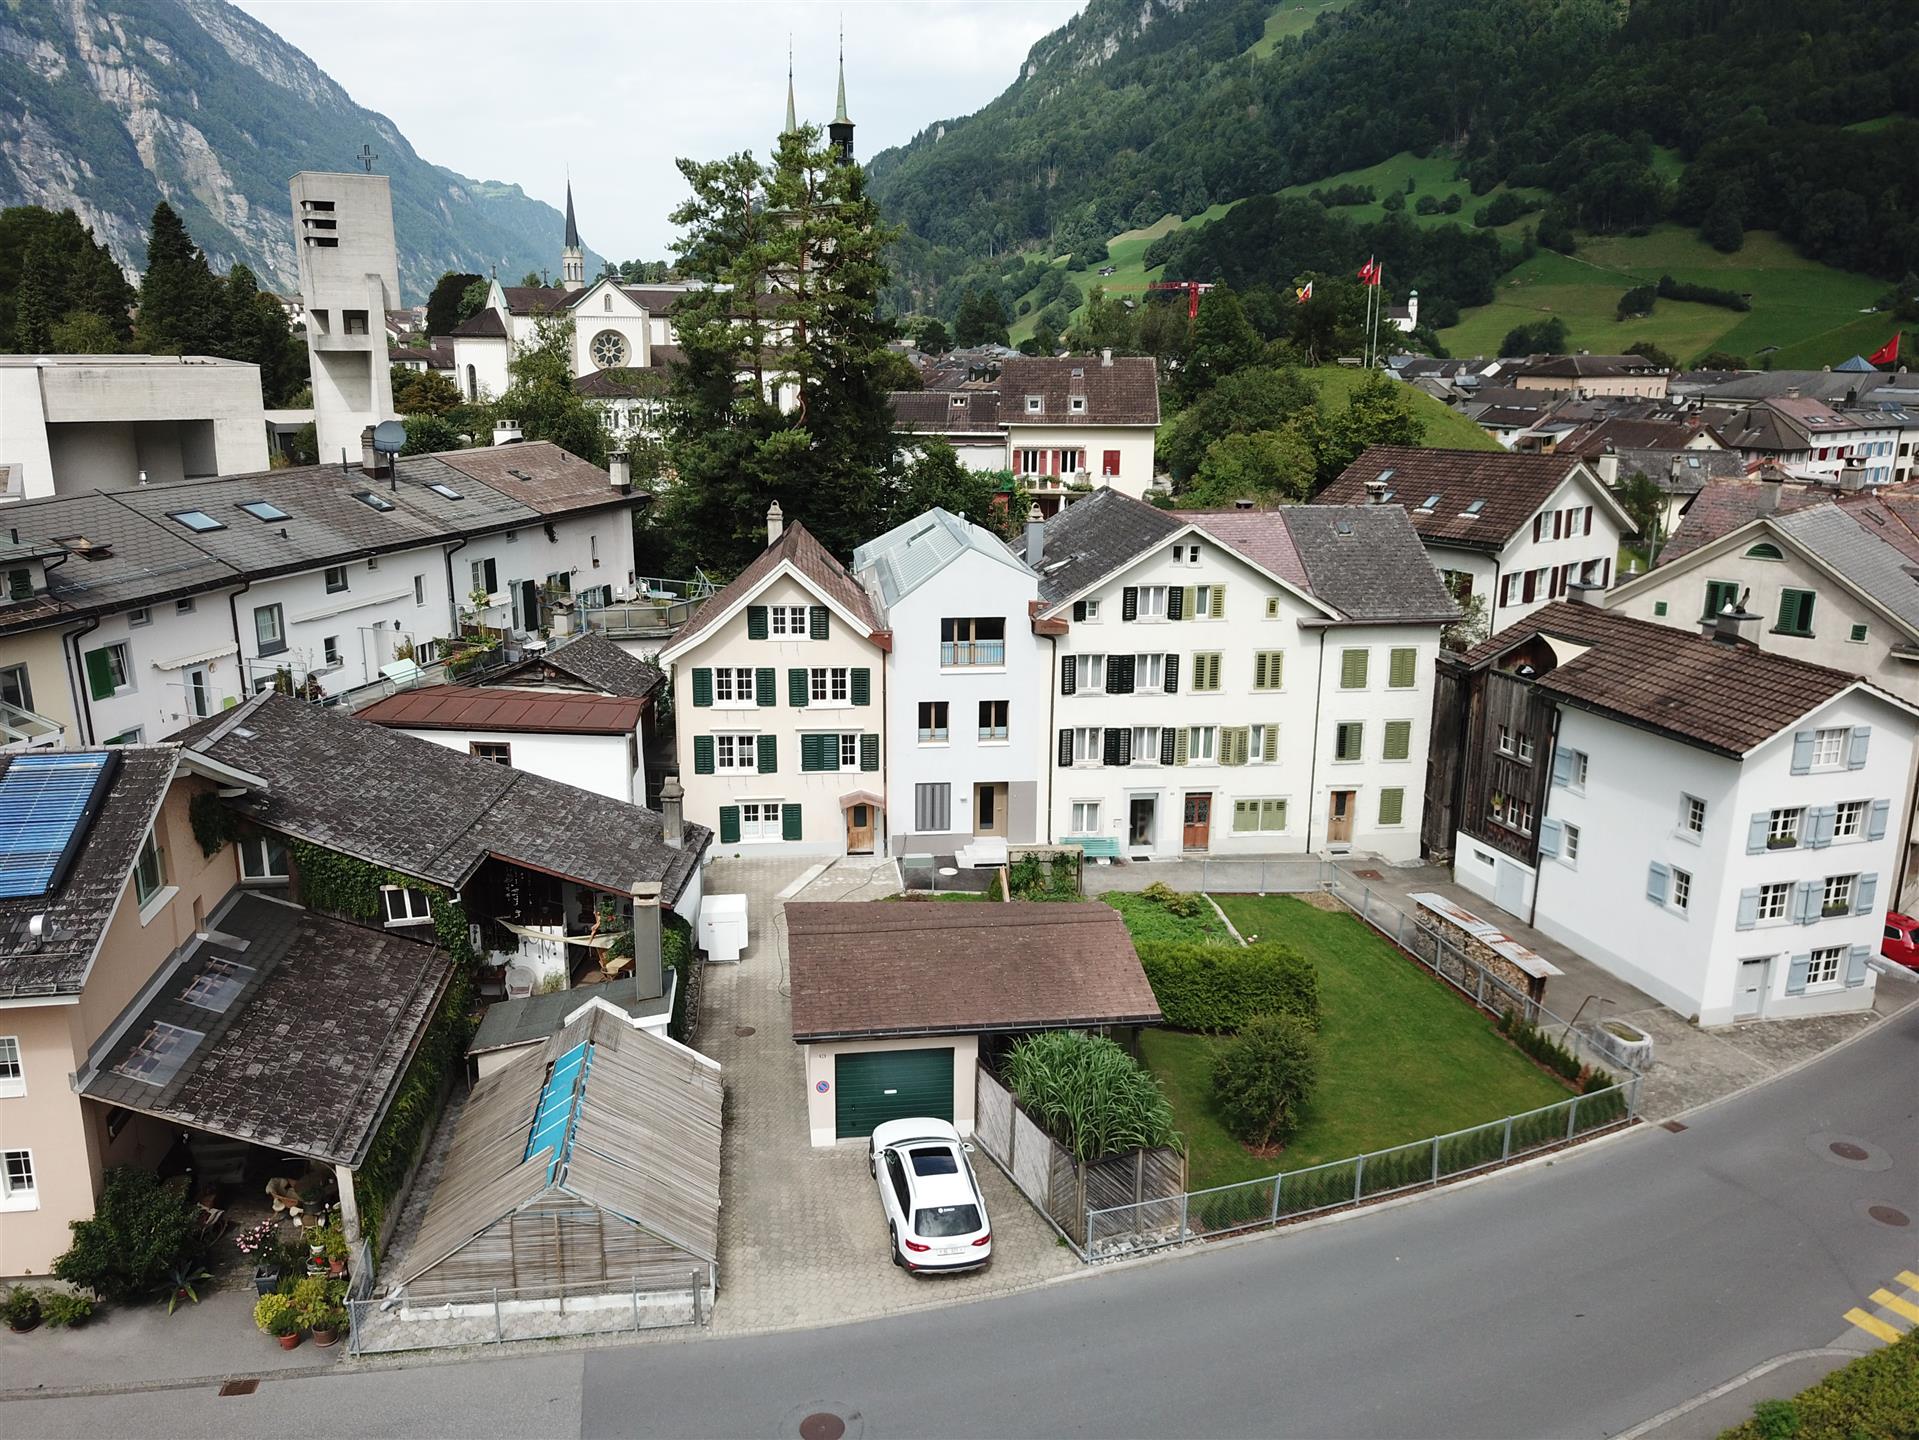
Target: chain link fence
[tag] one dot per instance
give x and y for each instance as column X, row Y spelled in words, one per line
column 490, row 1317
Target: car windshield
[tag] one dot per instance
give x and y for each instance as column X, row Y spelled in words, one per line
column 934, row 1161
column 942, row 1221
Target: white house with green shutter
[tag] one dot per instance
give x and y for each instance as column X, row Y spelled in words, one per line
column 779, row 706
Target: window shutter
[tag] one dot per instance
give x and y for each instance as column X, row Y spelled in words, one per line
column 1865, row 891
column 1819, row 826
column 1656, row 878
column 1757, row 829
column 1539, row 526
column 702, row 754
column 702, row 686
column 1219, row 601
column 1801, row 751
column 1748, row 907
column 1562, row 767
column 1856, row 747
column 1125, row 747
column 764, row 679
column 1392, row 806
column 1066, row 749
column 1272, row 743
column 1238, row 739
column 798, row 691
column 862, row 686
column 1876, row 826
column 1548, row 835
column 809, row 752
column 869, row 752
column 729, row 824
column 1810, row 900
column 1399, row 739
column 1182, row 743
column 1129, row 603
column 1403, row 669
column 1166, row 742
column 1796, row 974
column 1189, row 602
column 1067, row 680
column 1119, row 668
column 1531, row 587
column 769, row 754
column 755, row 622
column 99, row 674
column 1352, row 670
column 1172, row 674
column 819, row 622
column 789, row 822
column 1856, row 965
column 1175, row 603
column 1109, row 746
column 1589, row 520
column 1079, row 609
column 1259, row 671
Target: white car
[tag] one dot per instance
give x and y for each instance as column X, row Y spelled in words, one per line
column 935, row 1214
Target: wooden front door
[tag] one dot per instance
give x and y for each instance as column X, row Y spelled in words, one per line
column 1198, row 834
column 859, row 829
column 1339, row 818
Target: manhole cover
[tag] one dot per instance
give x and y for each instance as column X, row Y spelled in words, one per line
column 743, row 1031
column 1887, row 1215
column 1673, row 1125
column 1850, row 1152
column 1368, row 875
column 239, row 1387
column 822, row 1425
column 1846, row 1150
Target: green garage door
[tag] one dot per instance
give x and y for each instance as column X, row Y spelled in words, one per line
column 883, row 1085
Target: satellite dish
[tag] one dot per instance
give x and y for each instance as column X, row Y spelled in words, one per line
column 389, row 437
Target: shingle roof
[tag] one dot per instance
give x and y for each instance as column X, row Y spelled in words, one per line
column 937, row 412
column 1125, row 392
column 797, row 547
column 1753, row 385
column 1680, row 472
column 1723, row 506
column 425, row 810
column 910, row 554
column 1722, row 697
column 307, row 1055
column 1509, row 487
column 525, row 299
column 1095, row 536
column 482, row 325
column 1853, row 542
column 472, row 707
column 1580, row 367
column 1366, row 561
column 916, row 968
column 592, row 660
column 79, row 911
column 541, row 476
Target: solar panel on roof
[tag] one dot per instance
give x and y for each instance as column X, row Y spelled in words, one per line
column 47, row 803
column 559, row 1097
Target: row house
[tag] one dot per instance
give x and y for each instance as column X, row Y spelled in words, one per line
column 128, row 615
column 1710, row 822
column 1520, row 530
column 1822, row 441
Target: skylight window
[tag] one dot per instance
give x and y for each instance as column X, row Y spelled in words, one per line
column 372, row 501
column 263, row 510
column 198, row 521
column 217, row 984
column 440, row 487
column 1431, row 502
column 1474, row 508
column 160, row 1053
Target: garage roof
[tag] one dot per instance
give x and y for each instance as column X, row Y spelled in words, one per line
column 916, row 968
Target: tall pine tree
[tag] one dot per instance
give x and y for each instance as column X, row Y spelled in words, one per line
column 182, row 306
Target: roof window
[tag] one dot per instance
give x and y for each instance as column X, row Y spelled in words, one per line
column 160, row 1053
column 198, row 521
column 440, row 487
column 262, row 510
column 372, row 501
column 217, row 984
column 1471, row 512
column 1431, row 502
column 1035, row 404
column 959, row 402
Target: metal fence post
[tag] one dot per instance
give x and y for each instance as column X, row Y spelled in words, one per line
column 1185, row 1203
column 499, row 1330
column 1359, row 1173
column 1278, row 1180
column 1435, row 1159
column 636, row 1304
column 696, row 1299
column 1572, row 1117
column 1506, row 1151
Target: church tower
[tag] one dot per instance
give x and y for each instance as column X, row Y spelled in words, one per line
column 840, row 132
column 573, row 256
column 792, row 112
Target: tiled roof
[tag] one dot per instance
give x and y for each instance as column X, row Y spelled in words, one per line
column 1093, row 537
column 1680, row 472
column 1722, row 697
column 482, row 325
column 796, row 546
column 472, row 707
column 307, row 1054
column 541, row 476
column 1854, row 541
column 1367, row 562
column 1509, row 488
column 916, row 968
column 1584, row 367
column 1126, row 392
column 910, row 554
column 525, row 299
column 939, row 412
column 79, row 911
column 425, row 810
column 1601, row 437
column 1724, row 505
column 588, row 659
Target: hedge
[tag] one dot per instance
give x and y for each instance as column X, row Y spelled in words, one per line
column 1873, row 1398
column 1541, row 1046
column 1218, row 988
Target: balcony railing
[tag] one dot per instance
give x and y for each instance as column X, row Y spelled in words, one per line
column 23, row 730
column 958, row 654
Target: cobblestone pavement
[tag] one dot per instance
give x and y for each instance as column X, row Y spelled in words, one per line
column 801, row 1239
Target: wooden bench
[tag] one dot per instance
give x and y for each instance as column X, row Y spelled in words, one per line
column 1095, row 847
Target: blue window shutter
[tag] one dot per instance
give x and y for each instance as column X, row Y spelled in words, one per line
column 1811, row 901
column 1796, row 974
column 1856, row 965
column 1819, row 826
column 763, row 682
column 1856, row 747
column 729, row 824
column 702, row 686
column 702, row 754
column 1562, row 767
column 1748, row 907
column 1657, row 876
column 1756, row 831
column 769, row 754
column 755, row 622
column 1549, row 831
column 1801, row 751
column 1876, row 826
column 1865, row 891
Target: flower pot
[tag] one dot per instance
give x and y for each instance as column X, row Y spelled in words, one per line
column 324, row 1338
column 288, row 1342
column 336, row 1267
column 265, row 1279
column 33, row 1324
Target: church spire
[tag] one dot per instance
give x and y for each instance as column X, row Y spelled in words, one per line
column 792, row 115
column 840, row 132
column 572, row 238
column 572, row 253
column 839, row 113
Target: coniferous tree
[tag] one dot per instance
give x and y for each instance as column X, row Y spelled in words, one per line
column 182, row 309
column 38, row 306
column 443, row 305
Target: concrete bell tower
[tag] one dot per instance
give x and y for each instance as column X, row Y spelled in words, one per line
column 573, row 256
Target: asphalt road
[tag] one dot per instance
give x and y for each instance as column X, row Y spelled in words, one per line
column 1575, row 1299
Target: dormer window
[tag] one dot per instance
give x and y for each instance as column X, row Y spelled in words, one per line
column 959, row 402
column 1035, row 404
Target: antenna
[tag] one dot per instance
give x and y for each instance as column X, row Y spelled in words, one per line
column 366, row 158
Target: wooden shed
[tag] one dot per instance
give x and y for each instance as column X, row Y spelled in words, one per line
column 588, row 1163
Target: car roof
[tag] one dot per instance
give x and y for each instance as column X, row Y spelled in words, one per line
column 1904, row 921
column 931, row 1190
column 924, row 1127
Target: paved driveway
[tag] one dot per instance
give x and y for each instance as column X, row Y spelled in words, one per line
column 801, row 1238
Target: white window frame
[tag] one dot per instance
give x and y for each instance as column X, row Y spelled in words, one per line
column 333, row 573
column 727, row 682
column 1087, row 745
column 256, row 858
column 138, row 616
column 849, row 750
column 1146, row 744
column 1149, row 673
column 829, row 684
column 1092, row 608
column 1692, row 817
column 1829, row 747
column 765, row 824
column 1569, row 843
column 1775, row 902
column 1089, row 672
column 1359, row 749
column 1849, row 819
column 13, row 1074
column 1825, row 967
column 1202, row 744
column 1785, row 823
column 144, row 893
column 120, row 656
column 1682, row 890
column 414, row 906
column 1256, row 744
column 787, row 622
column 1084, row 817
column 1835, row 895
column 1151, row 604
column 744, row 749
column 23, row 1194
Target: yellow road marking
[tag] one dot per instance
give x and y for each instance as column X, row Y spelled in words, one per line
column 1872, row 1325
column 1909, row 1280
column 1897, row 1304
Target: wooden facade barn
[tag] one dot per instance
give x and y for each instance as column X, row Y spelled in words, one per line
column 590, row 1161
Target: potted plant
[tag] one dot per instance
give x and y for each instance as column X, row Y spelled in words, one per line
column 183, row 1282
column 22, row 1309
column 336, row 1251
column 260, row 1245
column 66, row 1309
column 275, row 1315
column 327, row 1323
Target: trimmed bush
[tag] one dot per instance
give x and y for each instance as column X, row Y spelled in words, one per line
column 1263, row 1077
column 1089, row 1094
column 141, row 1230
column 1541, row 1046
column 1217, row 988
column 1638, row 301
column 1671, row 289
column 1873, row 1398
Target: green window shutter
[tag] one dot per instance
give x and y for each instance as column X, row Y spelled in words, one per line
column 99, row 674
column 809, row 752
column 1245, row 816
column 819, row 621
column 702, row 686
column 1404, row 667
column 862, row 686
column 1352, row 670
column 755, row 622
column 729, row 824
column 797, row 693
column 869, row 752
column 1272, row 742
column 1232, row 744
column 702, row 754
column 1392, row 806
column 789, row 822
column 763, row 682
column 769, row 754
column 1399, row 739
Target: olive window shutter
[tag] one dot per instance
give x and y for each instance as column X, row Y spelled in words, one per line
column 1129, row 603
column 702, row 754
column 819, row 622
column 1181, row 744
column 1232, row 745
column 769, row 754
column 1272, row 743
column 99, row 674
column 702, row 686
column 797, row 693
column 869, row 752
column 1403, row 669
column 789, row 822
column 1392, row 806
column 1219, row 601
column 1190, row 598
column 755, row 622
column 1399, row 739
column 729, row 824
column 862, row 686
column 763, row 683
column 1352, row 670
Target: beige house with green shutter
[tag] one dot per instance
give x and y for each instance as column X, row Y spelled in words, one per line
column 778, row 700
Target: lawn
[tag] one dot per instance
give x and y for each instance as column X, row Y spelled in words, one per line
column 1402, row 1059
column 1446, row 428
column 1289, row 19
column 1148, row 920
column 1434, row 175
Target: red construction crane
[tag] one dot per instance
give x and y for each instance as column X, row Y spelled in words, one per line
column 1192, row 288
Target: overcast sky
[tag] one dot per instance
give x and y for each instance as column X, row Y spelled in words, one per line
column 520, row 91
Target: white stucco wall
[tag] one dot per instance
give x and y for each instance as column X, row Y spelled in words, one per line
column 818, row 1060
column 603, row 764
column 592, row 548
column 1133, row 442
column 1523, row 554
column 156, row 701
column 370, row 619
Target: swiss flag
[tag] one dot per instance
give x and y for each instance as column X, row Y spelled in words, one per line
column 1887, row 353
column 1369, row 272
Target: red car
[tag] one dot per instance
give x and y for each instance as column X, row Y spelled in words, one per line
column 1901, row 945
